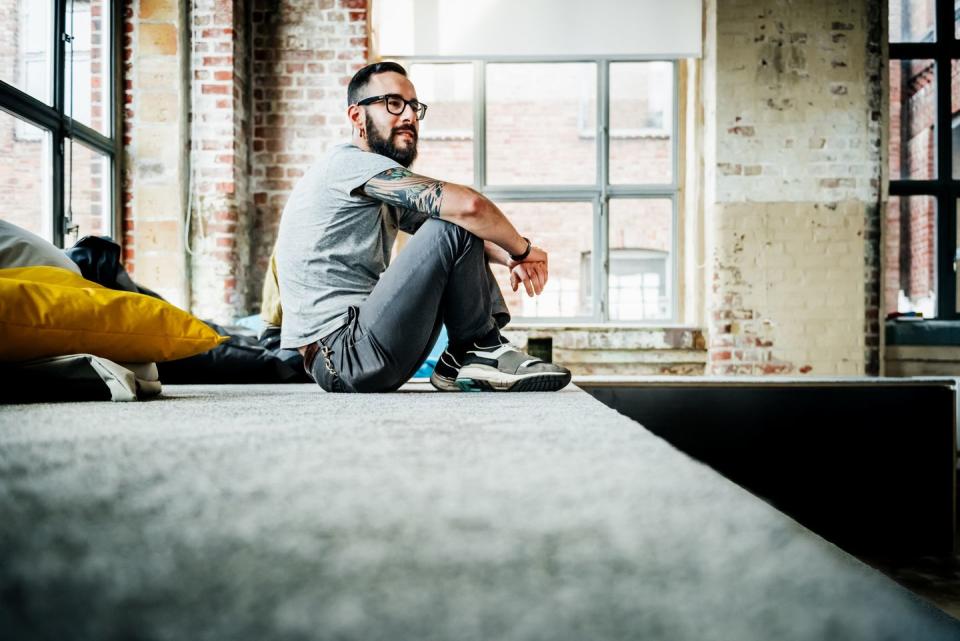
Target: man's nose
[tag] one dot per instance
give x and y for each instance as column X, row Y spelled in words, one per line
column 412, row 113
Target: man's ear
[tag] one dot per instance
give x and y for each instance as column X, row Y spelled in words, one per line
column 355, row 116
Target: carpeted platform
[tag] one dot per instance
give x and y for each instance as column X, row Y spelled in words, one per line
column 279, row 512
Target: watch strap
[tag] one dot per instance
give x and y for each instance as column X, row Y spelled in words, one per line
column 526, row 252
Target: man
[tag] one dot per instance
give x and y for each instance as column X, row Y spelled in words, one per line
column 364, row 325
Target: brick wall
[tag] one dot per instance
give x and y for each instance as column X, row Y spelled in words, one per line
column 303, row 58
column 793, row 213
column 154, row 133
column 220, row 164
column 266, row 96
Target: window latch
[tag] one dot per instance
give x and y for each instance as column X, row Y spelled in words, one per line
column 66, row 37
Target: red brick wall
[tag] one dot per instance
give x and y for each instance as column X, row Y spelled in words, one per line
column 303, row 58
column 220, row 131
column 266, row 97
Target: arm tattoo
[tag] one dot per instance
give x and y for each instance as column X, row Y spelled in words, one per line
column 403, row 188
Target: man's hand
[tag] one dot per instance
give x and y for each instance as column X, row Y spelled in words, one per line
column 533, row 272
column 533, row 275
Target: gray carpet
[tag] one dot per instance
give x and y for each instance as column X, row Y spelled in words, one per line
column 279, row 512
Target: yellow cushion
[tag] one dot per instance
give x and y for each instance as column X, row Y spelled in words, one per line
column 50, row 311
column 270, row 310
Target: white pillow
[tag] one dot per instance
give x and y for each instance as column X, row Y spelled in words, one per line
column 21, row 248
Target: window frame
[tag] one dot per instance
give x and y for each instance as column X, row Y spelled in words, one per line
column 63, row 129
column 945, row 189
column 599, row 194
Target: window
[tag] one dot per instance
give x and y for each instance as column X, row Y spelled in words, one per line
column 57, row 90
column 581, row 155
column 920, row 226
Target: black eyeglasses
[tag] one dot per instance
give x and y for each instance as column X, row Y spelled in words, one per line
column 396, row 103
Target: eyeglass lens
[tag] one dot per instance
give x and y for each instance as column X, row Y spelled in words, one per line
column 396, row 105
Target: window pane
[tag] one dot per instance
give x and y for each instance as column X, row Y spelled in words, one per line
column 641, row 122
column 565, row 231
column 910, row 236
column 913, row 117
column 88, row 63
column 25, row 60
column 25, row 175
column 955, row 110
column 912, row 21
column 89, row 199
column 641, row 265
column 541, row 124
column 445, row 149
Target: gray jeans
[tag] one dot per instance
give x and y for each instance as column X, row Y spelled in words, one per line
column 440, row 277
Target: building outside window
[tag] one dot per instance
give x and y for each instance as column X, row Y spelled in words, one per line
column 581, row 155
column 920, row 230
column 58, row 144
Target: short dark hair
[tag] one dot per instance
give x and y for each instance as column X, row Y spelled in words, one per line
column 362, row 78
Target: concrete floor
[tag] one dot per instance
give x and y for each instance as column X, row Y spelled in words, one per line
column 280, row 512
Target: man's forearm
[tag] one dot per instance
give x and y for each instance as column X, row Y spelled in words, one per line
column 479, row 216
column 496, row 254
column 454, row 203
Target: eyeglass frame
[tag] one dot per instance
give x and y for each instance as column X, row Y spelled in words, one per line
column 419, row 111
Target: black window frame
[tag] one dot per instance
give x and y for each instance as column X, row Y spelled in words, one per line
column 943, row 49
column 62, row 128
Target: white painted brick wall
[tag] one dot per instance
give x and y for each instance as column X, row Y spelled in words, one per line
column 797, row 165
column 153, row 207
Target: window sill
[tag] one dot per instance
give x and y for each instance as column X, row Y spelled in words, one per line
column 528, row 324
column 934, row 333
column 592, row 349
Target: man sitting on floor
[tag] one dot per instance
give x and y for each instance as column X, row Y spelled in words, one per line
column 364, row 325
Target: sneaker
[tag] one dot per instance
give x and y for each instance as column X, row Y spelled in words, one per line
column 504, row 368
column 444, row 376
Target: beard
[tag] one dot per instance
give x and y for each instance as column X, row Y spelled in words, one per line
column 386, row 147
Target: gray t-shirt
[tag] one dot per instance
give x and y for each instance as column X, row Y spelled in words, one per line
column 334, row 242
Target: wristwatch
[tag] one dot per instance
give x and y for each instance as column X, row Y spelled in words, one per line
column 526, row 252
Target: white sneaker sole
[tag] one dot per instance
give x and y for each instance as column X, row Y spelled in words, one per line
column 443, row 383
column 483, row 378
